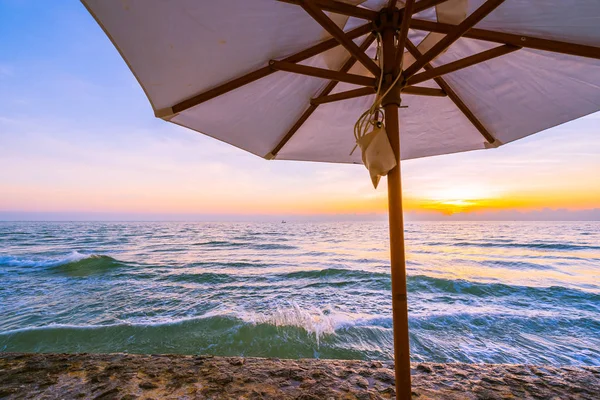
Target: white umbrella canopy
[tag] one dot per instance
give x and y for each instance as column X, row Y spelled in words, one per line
column 179, row 50
column 288, row 79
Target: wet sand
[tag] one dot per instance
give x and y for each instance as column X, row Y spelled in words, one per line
column 123, row 376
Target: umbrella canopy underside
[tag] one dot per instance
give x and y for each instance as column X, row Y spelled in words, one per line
column 180, row 51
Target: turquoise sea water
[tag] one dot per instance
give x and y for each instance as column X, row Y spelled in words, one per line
column 493, row 292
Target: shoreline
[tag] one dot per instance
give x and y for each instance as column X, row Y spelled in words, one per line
column 129, row 376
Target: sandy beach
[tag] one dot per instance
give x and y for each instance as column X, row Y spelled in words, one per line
column 125, row 376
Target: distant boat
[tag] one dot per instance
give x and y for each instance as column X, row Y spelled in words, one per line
column 283, row 221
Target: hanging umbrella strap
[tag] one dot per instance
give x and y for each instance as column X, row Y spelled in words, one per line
column 369, row 118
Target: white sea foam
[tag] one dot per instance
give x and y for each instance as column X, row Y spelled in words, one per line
column 13, row 261
column 316, row 321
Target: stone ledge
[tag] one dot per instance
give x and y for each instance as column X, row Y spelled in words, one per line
column 124, row 376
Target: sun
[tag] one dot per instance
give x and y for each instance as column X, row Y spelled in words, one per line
column 458, row 199
column 450, row 207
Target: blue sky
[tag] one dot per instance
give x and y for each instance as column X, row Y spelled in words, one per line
column 78, row 137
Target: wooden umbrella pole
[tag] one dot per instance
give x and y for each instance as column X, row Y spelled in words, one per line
column 391, row 104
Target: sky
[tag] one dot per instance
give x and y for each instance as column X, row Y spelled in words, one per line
column 78, row 140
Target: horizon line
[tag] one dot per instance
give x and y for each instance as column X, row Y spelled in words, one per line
column 539, row 215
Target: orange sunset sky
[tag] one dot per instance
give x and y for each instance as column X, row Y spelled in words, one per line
column 78, row 136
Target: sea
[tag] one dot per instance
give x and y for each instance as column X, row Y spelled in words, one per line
column 478, row 292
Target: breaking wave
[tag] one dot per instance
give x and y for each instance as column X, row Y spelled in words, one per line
column 293, row 332
column 74, row 264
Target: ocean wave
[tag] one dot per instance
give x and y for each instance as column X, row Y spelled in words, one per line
column 78, row 264
column 289, row 334
column 74, row 264
column 422, row 283
column 335, row 273
column 533, row 245
column 14, row 261
column 203, row 277
column 293, row 332
column 272, row 246
column 219, row 243
column 317, row 322
column 330, row 277
column 250, row 245
column 232, row 264
column 89, row 265
column 506, row 339
column 519, row 265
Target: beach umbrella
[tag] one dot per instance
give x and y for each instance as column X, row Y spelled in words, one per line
column 310, row 80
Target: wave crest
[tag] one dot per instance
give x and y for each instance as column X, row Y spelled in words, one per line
column 534, row 245
column 73, row 264
column 14, row 261
column 336, row 272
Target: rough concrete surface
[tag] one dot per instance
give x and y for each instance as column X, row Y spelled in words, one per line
column 123, row 376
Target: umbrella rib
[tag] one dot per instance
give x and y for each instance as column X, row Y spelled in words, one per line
column 318, row 15
column 424, row 91
column 453, row 96
column 257, row 74
column 340, row 8
column 322, row 73
column 462, row 63
column 312, row 107
column 524, row 41
column 403, row 34
column 453, row 35
column 366, row 91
